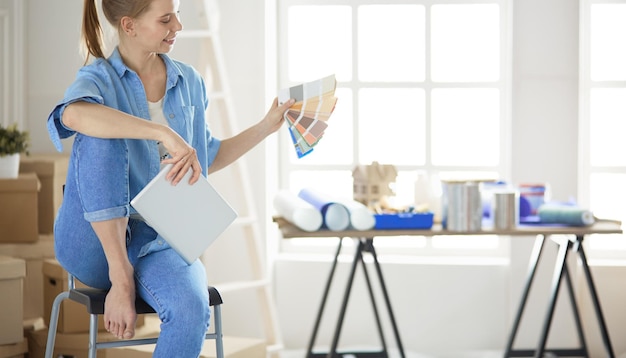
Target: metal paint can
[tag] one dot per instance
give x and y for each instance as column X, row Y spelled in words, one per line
column 505, row 210
column 462, row 206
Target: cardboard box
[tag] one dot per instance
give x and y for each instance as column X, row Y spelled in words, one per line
column 18, row 209
column 12, row 272
column 15, row 350
column 33, row 324
column 234, row 347
column 51, row 169
column 76, row 345
column 73, row 317
column 34, row 254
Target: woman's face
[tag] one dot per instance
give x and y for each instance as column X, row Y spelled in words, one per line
column 156, row 29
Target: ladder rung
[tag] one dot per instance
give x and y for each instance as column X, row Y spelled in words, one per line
column 274, row 348
column 239, row 285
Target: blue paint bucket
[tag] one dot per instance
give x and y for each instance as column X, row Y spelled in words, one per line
column 532, row 196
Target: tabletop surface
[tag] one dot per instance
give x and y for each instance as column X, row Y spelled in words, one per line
column 289, row 230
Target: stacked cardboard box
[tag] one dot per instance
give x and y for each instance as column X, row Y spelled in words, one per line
column 15, row 350
column 12, row 272
column 51, row 170
column 34, row 255
column 27, row 210
column 76, row 345
column 18, row 209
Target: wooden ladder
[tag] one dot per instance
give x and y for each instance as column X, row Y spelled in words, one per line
column 216, row 78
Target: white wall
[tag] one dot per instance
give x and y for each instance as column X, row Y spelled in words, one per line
column 438, row 307
column 52, row 61
column 11, row 63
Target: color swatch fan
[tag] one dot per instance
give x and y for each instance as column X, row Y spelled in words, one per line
column 308, row 117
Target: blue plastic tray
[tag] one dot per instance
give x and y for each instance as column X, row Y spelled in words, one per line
column 404, row 221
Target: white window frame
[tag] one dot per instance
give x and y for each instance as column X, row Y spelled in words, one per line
column 584, row 142
column 426, row 248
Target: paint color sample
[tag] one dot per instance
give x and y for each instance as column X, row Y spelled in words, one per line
column 307, row 118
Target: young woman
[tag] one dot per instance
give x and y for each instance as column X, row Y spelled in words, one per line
column 130, row 113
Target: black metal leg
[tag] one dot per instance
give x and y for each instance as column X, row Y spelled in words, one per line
column 556, row 283
column 561, row 272
column 324, row 298
column 532, row 269
column 342, row 312
column 575, row 311
column 366, row 245
column 386, row 296
column 594, row 298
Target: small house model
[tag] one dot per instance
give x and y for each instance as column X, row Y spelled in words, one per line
column 372, row 183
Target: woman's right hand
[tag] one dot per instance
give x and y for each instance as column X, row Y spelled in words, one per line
column 183, row 157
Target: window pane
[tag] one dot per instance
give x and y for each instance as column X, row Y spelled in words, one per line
column 336, row 145
column 404, row 189
column 465, row 127
column 336, row 183
column 607, row 125
column 608, row 35
column 605, row 187
column 388, row 133
column 319, row 42
column 391, row 42
column 465, row 43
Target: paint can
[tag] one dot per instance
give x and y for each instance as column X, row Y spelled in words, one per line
column 505, row 210
column 532, row 197
column 487, row 189
column 462, row 206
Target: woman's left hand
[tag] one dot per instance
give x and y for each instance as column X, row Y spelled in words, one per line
column 276, row 114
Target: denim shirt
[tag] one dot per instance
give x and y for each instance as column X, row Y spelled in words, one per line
column 110, row 82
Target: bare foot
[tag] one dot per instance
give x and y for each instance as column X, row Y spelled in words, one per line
column 119, row 312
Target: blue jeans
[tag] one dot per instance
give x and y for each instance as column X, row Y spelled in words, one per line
column 98, row 180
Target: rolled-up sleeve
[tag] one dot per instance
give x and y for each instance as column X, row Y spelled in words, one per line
column 85, row 88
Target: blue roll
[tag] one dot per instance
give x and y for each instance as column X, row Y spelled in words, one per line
column 566, row 215
column 336, row 216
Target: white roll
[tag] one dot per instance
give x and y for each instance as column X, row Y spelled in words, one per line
column 336, row 217
column 297, row 211
column 361, row 218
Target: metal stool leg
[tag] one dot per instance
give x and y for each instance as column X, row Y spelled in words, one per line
column 54, row 320
column 93, row 335
column 219, row 344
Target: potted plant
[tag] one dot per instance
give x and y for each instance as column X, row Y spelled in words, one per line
column 13, row 142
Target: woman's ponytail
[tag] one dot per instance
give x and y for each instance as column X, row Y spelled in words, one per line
column 92, row 36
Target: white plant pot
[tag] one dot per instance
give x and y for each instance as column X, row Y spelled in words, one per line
column 9, row 166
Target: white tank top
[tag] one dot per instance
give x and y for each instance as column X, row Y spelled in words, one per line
column 156, row 114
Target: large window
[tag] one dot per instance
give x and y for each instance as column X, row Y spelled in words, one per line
column 603, row 116
column 422, row 85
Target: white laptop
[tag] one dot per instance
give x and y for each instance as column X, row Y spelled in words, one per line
column 188, row 217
